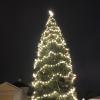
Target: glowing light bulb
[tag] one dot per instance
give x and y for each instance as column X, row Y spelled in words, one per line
column 51, row 13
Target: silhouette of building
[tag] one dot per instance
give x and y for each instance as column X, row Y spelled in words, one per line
column 95, row 98
column 16, row 91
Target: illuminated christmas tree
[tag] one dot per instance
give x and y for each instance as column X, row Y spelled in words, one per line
column 53, row 74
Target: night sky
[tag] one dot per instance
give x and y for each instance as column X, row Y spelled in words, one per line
column 22, row 23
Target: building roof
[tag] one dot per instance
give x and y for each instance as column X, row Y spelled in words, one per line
column 95, row 98
column 8, row 86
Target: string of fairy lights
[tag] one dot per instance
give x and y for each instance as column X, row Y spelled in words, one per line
column 41, row 46
column 49, row 55
column 50, row 31
column 48, row 40
column 58, row 64
column 70, row 92
column 35, row 83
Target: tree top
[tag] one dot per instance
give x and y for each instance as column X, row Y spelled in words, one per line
column 51, row 13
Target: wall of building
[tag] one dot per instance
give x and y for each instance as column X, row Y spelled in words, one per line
column 11, row 92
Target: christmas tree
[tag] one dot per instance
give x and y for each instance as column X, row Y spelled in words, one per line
column 53, row 74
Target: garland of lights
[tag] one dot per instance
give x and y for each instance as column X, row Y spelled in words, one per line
column 53, row 41
column 61, row 62
column 53, row 76
column 54, row 54
column 49, row 55
column 71, row 92
column 43, row 47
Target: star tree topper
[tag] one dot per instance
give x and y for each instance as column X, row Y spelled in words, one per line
column 51, row 13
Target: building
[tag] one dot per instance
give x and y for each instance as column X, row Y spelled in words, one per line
column 96, row 98
column 9, row 91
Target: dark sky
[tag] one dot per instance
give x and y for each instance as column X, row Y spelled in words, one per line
column 22, row 23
